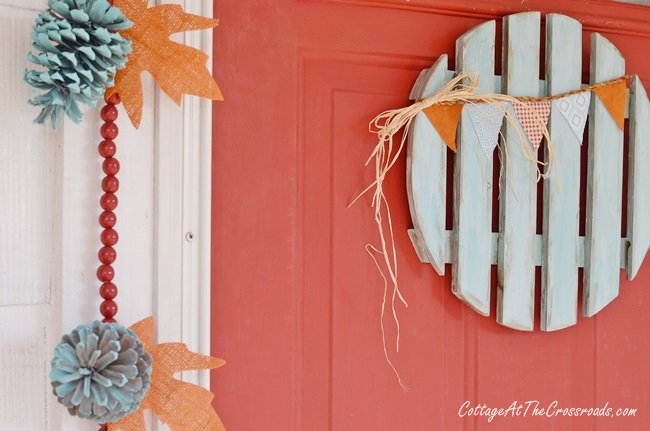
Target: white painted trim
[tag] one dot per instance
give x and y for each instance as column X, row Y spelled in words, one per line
column 183, row 195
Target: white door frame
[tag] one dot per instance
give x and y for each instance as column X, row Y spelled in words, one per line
column 182, row 210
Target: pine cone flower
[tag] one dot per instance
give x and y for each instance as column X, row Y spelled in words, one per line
column 101, row 372
column 77, row 43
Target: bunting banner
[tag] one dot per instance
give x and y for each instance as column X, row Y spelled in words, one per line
column 533, row 117
column 532, row 113
column 487, row 120
column 575, row 109
column 445, row 120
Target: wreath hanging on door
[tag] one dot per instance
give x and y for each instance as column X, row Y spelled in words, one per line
column 468, row 115
column 85, row 51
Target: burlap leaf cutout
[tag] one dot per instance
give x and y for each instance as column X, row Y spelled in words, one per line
column 178, row 69
column 182, row 406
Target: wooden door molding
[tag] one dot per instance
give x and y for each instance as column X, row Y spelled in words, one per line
column 182, row 210
column 606, row 16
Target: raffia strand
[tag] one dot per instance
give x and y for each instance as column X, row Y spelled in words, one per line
column 461, row 89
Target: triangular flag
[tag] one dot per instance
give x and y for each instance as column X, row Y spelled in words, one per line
column 444, row 118
column 575, row 109
column 613, row 97
column 533, row 117
column 487, row 119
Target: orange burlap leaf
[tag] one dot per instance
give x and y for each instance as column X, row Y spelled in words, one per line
column 182, row 406
column 613, row 97
column 445, row 120
column 178, row 69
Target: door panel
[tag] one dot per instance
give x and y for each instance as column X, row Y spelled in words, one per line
column 296, row 300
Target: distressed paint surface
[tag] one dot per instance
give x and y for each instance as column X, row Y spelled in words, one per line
column 604, row 187
column 518, row 201
column 471, row 245
column 29, row 156
column 426, row 179
column 559, row 297
column 30, row 242
column 638, row 207
column 517, row 249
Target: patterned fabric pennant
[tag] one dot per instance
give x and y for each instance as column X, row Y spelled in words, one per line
column 575, row 109
column 444, row 119
column 487, row 119
column 613, row 97
column 533, row 117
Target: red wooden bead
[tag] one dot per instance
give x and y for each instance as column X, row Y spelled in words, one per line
column 108, row 309
column 107, row 255
column 107, row 149
column 111, row 166
column 110, row 184
column 109, row 113
column 109, row 237
column 109, row 131
column 108, row 291
column 115, row 98
column 107, row 219
column 108, row 201
column 105, row 273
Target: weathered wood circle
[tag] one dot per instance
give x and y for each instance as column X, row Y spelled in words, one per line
column 471, row 247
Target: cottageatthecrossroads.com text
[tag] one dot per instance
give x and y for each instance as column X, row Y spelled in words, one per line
column 534, row 408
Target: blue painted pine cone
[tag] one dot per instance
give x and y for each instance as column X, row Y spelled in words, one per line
column 101, row 372
column 78, row 50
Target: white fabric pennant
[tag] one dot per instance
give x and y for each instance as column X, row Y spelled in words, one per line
column 575, row 109
column 487, row 119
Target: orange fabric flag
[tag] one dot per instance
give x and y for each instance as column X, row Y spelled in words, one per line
column 445, row 120
column 613, row 97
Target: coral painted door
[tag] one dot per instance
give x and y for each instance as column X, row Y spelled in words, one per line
column 296, row 299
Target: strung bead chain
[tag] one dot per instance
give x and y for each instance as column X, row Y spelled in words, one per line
column 108, row 203
column 107, row 219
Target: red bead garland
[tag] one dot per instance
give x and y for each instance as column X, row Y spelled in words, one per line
column 108, row 202
column 107, row 219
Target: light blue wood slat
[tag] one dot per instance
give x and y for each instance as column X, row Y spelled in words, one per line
column 604, row 187
column 472, row 237
column 559, row 299
column 638, row 202
column 518, row 199
column 426, row 175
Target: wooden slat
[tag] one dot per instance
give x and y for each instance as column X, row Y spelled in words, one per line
column 426, row 175
column 604, row 187
column 25, row 351
column 559, row 301
column 472, row 237
column 30, row 156
column 638, row 207
column 31, row 237
column 516, row 294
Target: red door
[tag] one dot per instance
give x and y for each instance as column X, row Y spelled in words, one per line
column 296, row 300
